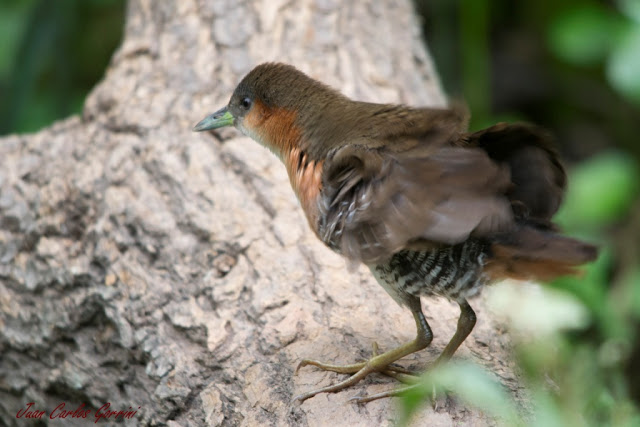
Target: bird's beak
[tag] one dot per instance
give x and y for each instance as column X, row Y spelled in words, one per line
column 220, row 118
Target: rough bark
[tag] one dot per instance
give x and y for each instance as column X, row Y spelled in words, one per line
column 147, row 266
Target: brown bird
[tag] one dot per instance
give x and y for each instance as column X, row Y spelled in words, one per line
column 430, row 208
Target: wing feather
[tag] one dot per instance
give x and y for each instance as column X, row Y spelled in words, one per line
column 375, row 202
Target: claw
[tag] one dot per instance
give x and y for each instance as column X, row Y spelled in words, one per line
column 434, row 398
column 374, row 349
column 302, row 364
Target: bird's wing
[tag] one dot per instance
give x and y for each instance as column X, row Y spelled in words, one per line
column 537, row 175
column 376, row 202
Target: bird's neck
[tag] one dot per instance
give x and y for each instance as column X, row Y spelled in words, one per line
column 279, row 130
column 273, row 127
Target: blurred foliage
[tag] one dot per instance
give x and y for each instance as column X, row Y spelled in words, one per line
column 595, row 34
column 52, row 53
column 614, row 178
column 568, row 65
column 572, row 66
column 467, row 380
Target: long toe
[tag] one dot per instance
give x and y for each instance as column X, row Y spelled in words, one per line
column 353, row 379
column 405, row 377
column 341, row 369
column 383, row 395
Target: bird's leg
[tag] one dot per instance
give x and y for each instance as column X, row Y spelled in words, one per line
column 466, row 322
column 378, row 362
column 394, row 370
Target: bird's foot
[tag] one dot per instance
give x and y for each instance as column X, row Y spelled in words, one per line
column 382, row 363
column 412, row 382
column 392, row 368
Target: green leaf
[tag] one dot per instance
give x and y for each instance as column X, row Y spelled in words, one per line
column 413, row 399
column 600, row 192
column 584, row 35
column 477, row 387
column 547, row 412
column 468, row 381
column 592, row 289
column 623, row 67
column 631, row 8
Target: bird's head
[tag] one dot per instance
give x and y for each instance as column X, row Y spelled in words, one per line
column 278, row 106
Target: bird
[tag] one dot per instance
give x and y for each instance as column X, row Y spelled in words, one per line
column 429, row 207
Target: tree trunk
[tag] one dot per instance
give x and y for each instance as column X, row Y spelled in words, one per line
column 171, row 272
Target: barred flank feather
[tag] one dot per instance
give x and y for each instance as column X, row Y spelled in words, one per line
column 455, row 272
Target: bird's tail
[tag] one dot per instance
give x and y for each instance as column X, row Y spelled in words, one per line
column 534, row 254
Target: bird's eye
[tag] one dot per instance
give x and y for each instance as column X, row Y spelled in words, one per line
column 245, row 103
